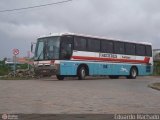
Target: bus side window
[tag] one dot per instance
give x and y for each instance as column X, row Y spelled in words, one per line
column 140, row 50
column 130, row 48
column 119, row 47
column 80, row 43
column 66, row 47
column 93, row 45
column 107, row 46
column 148, row 50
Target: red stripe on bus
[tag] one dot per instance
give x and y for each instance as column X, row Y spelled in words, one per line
column 146, row 59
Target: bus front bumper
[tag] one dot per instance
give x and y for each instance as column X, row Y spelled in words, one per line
column 46, row 70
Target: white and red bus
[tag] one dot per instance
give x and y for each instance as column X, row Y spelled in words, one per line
column 69, row 54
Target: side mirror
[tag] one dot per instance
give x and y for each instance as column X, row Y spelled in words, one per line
column 32, row 46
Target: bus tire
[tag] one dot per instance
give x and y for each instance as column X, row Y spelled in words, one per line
column 133, row 73
column 60, row 77
column 82, row 73
column 113, row 76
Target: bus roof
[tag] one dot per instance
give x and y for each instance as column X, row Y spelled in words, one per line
column 90, row 36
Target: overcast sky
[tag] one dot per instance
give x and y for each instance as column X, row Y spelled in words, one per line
column 135, row 20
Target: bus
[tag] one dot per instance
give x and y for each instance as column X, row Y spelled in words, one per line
column 70, row 54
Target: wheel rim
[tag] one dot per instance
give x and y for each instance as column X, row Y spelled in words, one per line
column 83, row 73
column 134, row 73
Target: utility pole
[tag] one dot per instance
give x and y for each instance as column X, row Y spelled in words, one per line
column 15, row 53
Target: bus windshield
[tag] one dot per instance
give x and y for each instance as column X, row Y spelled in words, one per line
column 47, row 48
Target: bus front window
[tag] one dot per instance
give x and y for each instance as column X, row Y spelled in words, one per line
column 47, row 48
column 39, row 55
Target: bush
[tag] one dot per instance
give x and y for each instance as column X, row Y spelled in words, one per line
column 22, row 66
column 4, row 70
column 156, row 68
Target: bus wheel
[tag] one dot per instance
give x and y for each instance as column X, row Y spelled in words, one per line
column 113, row 76
column 60, row 77
column 82, row 73
column 133, row 73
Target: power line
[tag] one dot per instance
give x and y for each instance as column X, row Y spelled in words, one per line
column 31, row 7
